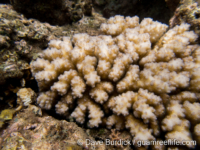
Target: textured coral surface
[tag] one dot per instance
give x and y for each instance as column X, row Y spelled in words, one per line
column 137, row 76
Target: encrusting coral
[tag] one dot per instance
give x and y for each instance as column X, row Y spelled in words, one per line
column 136, row 76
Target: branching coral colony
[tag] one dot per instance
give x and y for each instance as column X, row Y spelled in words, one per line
column 121, row 78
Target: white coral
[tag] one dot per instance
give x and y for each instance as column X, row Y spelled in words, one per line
column 119, row 74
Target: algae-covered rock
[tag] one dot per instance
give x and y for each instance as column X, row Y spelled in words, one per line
column 187, row 12
column 4, row 41
column 6, row 114
column 57, row 12
column 28, row 131
column 20, row 41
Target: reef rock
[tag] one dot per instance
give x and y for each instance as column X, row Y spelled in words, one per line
column 187, row 12
column 57, row 12
column 29, row 131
